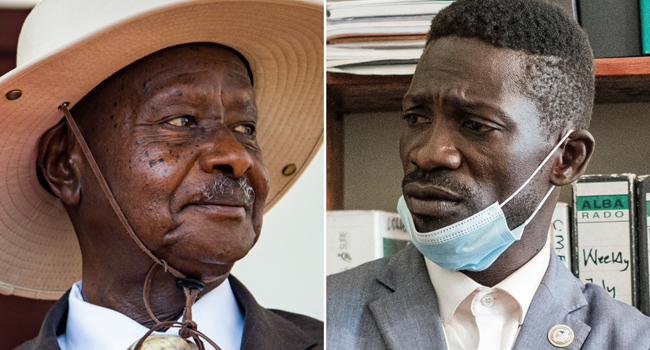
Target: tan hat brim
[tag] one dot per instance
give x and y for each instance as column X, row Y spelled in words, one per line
column 283, row 43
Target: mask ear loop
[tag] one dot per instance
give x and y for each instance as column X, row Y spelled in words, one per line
column 538, row 169
column 191, row 287
column 541, row 204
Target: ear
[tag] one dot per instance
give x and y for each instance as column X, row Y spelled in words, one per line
column 575, row 157
column 59, row 159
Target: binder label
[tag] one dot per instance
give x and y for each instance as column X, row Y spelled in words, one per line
column 355, row 237
column 603, row 218
column 346, row 244
column 608, row 208
column 559, row 232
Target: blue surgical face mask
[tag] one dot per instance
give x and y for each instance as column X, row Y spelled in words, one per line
column 476, row 242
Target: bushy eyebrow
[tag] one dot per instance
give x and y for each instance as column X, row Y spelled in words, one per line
column 242, row 102
column 422, row 99
column 417, row 98
column 469, row 104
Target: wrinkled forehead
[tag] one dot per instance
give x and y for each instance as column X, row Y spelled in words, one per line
column 189, row 58
column 469, row 72
column 471, row 64
column 184, row 66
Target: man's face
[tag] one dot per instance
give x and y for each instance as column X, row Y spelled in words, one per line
column 174, row 135
column 472, row 138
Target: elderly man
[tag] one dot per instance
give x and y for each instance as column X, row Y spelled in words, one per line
column 497, row 114
column 164, row 111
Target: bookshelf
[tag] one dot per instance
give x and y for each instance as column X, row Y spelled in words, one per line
column 623, row 81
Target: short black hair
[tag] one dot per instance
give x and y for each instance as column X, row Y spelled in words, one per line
column 559, row 66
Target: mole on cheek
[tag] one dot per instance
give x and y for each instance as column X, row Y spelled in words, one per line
column 153, row 163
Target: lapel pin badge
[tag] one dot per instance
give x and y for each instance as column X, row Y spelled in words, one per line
column 560, row 336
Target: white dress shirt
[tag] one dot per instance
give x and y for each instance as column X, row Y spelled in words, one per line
column 478, row 317
column 89, row 326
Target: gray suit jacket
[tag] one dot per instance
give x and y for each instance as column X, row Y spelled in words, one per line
column 391, row 304
column 263, row 329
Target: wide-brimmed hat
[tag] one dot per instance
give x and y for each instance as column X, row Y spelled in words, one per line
column 68, row 47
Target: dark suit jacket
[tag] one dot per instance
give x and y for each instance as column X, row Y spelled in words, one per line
column 263, row 329
column 391, row 304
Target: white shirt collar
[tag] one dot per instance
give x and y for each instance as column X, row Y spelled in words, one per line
column 452, row 287
column 94, row 327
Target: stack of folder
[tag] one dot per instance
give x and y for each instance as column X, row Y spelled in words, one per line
column 378, row 37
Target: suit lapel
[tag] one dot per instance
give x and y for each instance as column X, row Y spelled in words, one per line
column 408, row 318
column 558, row 295
column 264, row 329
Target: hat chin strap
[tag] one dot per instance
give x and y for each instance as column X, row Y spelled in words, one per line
column 191, row 287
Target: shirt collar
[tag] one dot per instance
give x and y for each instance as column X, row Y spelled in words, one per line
column 452, row 287
column 94, row 327
column 523, row 283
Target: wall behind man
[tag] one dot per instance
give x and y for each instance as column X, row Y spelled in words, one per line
column 373, row 170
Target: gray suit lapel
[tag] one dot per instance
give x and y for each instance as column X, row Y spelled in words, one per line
column 409, row 317
column 558, row 295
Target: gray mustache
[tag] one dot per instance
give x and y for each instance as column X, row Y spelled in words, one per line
column 225, row 187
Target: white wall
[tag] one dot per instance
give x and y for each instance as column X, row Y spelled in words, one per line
column 285, row 270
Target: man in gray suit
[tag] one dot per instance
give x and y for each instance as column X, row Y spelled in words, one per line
column 497, row 114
